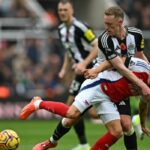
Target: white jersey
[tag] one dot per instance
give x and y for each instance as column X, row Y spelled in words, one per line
column 91, row 92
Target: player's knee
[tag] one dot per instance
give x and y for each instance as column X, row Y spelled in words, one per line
column 92, row 113
column 115, row 128
column 68, row 122
column 117, row 132
column 126, row 125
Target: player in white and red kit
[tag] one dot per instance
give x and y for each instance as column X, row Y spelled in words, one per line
column 100, row 92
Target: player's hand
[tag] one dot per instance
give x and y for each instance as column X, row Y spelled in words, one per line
column 146, row 92
column 79, row 68
column 62, row 74
column 135, row 89
column 90, row 73
column 146, row 131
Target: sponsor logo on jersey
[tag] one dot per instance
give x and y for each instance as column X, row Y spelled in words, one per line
column 105, row 87
column 131, row 49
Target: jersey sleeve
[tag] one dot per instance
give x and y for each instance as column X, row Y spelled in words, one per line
column 87, row 32
column 89, row 35
column 140, row 41
column 105, row 44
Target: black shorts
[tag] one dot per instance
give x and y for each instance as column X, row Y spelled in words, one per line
column 124, row 107
column 76, row 84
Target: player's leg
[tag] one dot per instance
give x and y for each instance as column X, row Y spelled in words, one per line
column 130, row 139
column 107, row 140
column 94, row 117
column 58, row 108
column 79, row 127
column 112, row 123
column 62, row 128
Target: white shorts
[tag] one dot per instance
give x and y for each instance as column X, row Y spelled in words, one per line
column 91, row 94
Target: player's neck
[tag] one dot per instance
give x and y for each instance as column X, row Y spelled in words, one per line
column 69, row 22
column 122, row 33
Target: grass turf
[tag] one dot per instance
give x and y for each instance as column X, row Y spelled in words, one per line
column 35, row 131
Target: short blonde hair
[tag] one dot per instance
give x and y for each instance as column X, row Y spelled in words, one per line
column 117, row 12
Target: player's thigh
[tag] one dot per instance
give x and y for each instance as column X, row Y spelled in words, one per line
column 107, row 111
column 86, row 96
column 125, row 114
column 92, row 112
column 73, row 112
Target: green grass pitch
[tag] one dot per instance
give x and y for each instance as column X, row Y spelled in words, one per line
column 35, row 131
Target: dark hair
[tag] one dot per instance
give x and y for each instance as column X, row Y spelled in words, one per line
column 66, row 1
column 117, row 12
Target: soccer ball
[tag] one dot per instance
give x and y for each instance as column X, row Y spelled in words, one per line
column 9, row 140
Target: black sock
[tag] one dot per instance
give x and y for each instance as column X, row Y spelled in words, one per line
column 80, row 131
column 130, row 142
column 60, row 131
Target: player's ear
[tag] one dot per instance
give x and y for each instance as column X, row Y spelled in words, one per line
column 120, row 21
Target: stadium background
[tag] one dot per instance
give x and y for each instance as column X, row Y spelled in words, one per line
column 31, row 54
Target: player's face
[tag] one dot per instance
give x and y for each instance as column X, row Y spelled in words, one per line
column 112, row 25
column 65, row 12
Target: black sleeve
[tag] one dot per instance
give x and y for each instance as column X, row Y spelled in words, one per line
column 139, row 41
column 87, row 33
column 105, row 44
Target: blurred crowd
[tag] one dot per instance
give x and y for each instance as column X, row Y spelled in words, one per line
column 32, row 67
column 138, row 12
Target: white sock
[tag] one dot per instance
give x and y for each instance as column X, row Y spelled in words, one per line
column 37, row 104
column 129, row 133
column 52, row 140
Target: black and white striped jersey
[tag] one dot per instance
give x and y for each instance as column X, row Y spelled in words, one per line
column 77, row 39
column 113, row 46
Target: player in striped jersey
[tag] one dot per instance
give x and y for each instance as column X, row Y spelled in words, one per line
column 102, row 92
column 80, row 44
column 118, row 40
